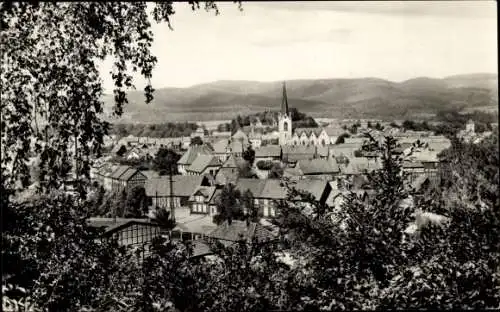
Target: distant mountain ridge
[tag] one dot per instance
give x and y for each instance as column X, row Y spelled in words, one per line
column 334, row 98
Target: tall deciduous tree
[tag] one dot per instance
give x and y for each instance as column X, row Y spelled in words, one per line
column 51, row 91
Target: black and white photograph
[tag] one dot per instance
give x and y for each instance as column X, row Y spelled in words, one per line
column 248, row 156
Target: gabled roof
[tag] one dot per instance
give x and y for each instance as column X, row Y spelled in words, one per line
column 315, row 187
column 202, row 162
column 227, row 175
column 119, row 171
column 316, row 166
column 111, row 224
column 308, row 131
column 240, row 230
column 130, row 173
column 254, row 185
column 273, row 189
column 239, row 134
column 268, row 151
column 220, row 147
column 150, row 174
column 193, row 152
column 230, row 162
column 182, row 185
column 206, row 191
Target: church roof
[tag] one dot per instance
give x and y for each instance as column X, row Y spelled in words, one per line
column 284, row 102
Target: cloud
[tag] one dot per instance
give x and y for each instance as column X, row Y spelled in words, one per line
column 454, row 9
column 338, row 35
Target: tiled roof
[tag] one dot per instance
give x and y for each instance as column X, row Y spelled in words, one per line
column 202, row 162
column 183, row 185
column 230, row 162
column 240, row 230
column 315, row 187
column 323, row 151
column 316, row 166
column 268, row 151
column 215, row 196
column 344, row 149
column 239, row 135
column 119, row 172
column 227, row 175
column 200, row 248
column 206, row 191
column 308, row 131
column 130, row 173
column 412, row 164
column 110, row 224
column 220, row 147
column 254, row 185
column 299, row 149
column 150, row 174
column 273, row 189
column 193, row 152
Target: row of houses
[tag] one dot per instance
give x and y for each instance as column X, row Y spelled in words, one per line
column 200, row 195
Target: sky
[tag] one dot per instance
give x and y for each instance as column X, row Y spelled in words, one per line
column 270, row 41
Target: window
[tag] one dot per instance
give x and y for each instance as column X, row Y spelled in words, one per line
column 323, row 142
column 285, row 126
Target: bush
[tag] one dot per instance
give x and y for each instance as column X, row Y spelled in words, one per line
column 264, row 164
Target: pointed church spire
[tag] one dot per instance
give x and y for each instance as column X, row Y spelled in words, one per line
column 284, row 103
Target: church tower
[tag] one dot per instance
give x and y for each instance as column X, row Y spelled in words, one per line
column 284, row 120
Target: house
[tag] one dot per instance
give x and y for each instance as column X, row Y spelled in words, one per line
column 268, row 152
column 221, row 149
column 103, row 175
column 126, row 178
column 161, row 197
column 202, row 201
column 273, row 193
column 204, row 164
column 190, row 155
column 128, row 232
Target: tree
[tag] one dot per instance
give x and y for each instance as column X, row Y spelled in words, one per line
column 379, row 127
column 228, row 205
column 60, row 115
column 341, row 138
column 247, row 201
column 276, row 171
column 196, row 141
column 136, row 204
column 165, row 161
column 249, row 155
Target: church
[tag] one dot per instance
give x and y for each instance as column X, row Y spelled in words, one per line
column 303, row 136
